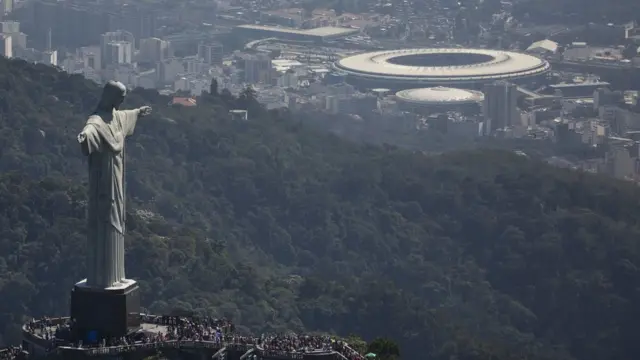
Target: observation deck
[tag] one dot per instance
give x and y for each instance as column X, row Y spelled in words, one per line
column 175, row 337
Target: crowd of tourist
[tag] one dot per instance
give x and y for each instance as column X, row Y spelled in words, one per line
column 191, row 328
column 216, row 332
column 295, row 343
column 197, row 328
column 51, row 330
column 12, row 353
column 302, row 344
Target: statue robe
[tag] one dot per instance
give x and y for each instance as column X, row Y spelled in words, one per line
column 105, row 135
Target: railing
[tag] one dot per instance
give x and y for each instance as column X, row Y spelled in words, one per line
column 340, row 356
column 346, row 346
column 176, row 344
column 227, row 342
column 56, row 321
column 181, row 344
column 247, row 353
column 118, row 350
column 219, row 355
column 295, row 355
column 280, row 354
column 32, row 337
column 171, row 344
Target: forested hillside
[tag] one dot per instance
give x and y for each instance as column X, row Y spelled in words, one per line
column 477, row 255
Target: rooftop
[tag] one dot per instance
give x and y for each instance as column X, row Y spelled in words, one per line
column 544, row 45
column 184, row 101
column 320, row 31
column 443, row 64
column 584, row 84
column 440, row 95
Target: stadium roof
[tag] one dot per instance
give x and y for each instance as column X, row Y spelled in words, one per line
column 439, row 95
column 492, row 65
column 543, row 46
column 320, row 31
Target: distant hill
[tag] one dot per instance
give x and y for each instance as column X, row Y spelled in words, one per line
column 471, row 255
column 578, row 12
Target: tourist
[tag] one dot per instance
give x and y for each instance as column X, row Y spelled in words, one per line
column 179, row 330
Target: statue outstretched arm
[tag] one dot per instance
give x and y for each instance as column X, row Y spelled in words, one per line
column 131, row 117
column 144, row 111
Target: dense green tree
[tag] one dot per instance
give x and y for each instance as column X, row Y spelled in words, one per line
column 384, row 349
column 470, row 255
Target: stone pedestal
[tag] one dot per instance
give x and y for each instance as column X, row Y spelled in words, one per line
column 105, row 313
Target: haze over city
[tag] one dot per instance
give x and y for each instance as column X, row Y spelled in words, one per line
column 319, row 180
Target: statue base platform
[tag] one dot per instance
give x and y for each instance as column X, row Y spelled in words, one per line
column 104, row 313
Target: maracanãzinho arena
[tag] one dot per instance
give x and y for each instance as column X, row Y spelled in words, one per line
column 411, row 68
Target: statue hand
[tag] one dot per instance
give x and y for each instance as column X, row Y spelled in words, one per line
column 145, row 110
column 82, row 137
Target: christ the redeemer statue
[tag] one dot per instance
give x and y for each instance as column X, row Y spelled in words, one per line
column 102, row 141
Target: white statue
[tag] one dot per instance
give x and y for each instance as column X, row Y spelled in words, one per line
column 102, row 140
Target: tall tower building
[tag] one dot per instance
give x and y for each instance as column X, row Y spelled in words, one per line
column 50, row 57
column 6, row 6
column 500, row 106
column 49, row 44
column 211, row 53
column 258, row 69
column 9, row 27
column 118, row 52
column 122, row 38
column 619, row 161
column 91, row 57
column 6, row 48
column 18, row 39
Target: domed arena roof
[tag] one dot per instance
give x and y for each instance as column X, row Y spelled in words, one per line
column 439, row 96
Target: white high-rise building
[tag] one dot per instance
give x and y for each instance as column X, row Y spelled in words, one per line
column 257, row 69
column 118, row 52
column 50, row 57
column 119, row 36
column 6, row 6
column 500, row 106
column 620, row 162
column 169, row 70
column 288, row 79
column 90, row 56
column 6, row 47
column 9, row 27
column 212, row 54
column 18, row 39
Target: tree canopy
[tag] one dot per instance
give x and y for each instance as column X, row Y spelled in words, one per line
column 469, row 255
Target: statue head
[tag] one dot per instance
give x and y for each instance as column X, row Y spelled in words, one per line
column 113, row 95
